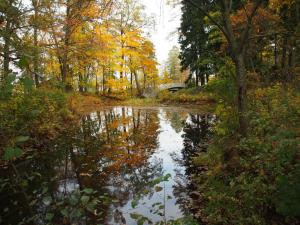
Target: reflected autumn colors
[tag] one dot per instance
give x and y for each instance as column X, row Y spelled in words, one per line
column 116, row 166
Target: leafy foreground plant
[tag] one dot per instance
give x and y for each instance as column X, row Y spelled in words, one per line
column 158, row 208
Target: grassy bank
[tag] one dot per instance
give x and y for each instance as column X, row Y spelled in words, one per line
column 190, row 96
column 186, row 96
column 84, row 103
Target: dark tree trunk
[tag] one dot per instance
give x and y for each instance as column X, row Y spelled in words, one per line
column 6, row 53
column 241, row 95
column 103, row 79
column 145, row 79
column 275, row 52
column 290, row 60
column 202, row 79
column 131, row 84
column 284, row 59
column 36, row 60
column 123, row 55
column 97, row 85
column 80, row 79
column 35, row 43
column 207, row 78
column 65, row 59
column 284, row 52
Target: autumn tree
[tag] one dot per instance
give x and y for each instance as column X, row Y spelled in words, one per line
column 140, row 52
column 219, row 13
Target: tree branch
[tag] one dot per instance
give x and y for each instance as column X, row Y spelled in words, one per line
column 247, row 29
column 228, row 26
column 209, row 17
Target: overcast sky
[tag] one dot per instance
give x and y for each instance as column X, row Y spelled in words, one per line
column 167, row 21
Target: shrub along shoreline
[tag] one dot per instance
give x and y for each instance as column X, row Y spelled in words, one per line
column 253, row 179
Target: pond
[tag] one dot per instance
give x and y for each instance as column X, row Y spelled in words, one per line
column 120, row 165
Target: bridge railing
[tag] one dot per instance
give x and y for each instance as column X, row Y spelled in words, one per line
column 171, row 86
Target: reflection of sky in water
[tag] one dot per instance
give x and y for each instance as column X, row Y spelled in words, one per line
column 170, row 142
column 67, row 186
column 104, row 154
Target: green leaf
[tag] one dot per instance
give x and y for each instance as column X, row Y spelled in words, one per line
column 47, row 200
column 12, row 153
column 64, row 212
column 73, row 200
column 49, row 216
column 155, row 204
column 21, row 139
column 158, row 188
column 85, row 199
column 161, row 206
column 77, row 213
column 88, row 190
column 11, row 78
column 141, row 221
column 28, row 83
column 23, row 62
column 135, row 216
column 167, row 177
column 91, row 206
column 45, row 189
column 134, row 203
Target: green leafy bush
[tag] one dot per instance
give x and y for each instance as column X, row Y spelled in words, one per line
column 27, row 113
column 254, row 180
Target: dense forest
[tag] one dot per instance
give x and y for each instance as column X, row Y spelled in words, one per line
column 69, row 155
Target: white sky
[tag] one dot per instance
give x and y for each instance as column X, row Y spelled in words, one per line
column 167, row 21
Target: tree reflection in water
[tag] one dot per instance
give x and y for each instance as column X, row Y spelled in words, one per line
column 112, row 156
column 112, row 153
column 197, row 132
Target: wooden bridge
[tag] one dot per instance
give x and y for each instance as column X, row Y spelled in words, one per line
column 149, row 92
column 172, row 86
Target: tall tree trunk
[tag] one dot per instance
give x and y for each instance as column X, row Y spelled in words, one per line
column 284, row 72
column 207, row 78
column 284, row 52
column 138, row 87
column 145, row 79
column 35, row 43
column 103, row 79
column 122, row 55
column 241, row 89
column 275, row 52
column 80, row 79
column 97, row 85
column 290, row 60
column 202, row 79
column 65, row 59
column 131, row 84
column 6, row 53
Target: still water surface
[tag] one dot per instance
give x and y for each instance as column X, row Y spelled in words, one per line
column 138, row 160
